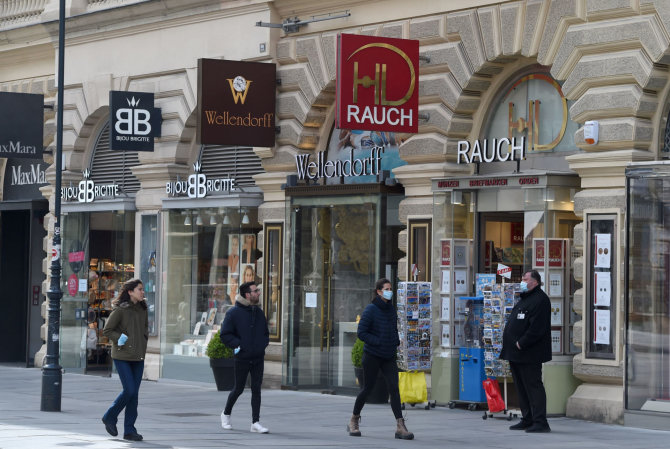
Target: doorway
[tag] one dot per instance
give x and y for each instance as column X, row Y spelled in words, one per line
column 340, row 245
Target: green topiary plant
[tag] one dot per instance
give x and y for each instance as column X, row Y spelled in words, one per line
column 217, row 350
column 357, row 353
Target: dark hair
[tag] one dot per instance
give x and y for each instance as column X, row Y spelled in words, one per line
column 124, row 296
column 379, row 285
column 536, row 275
column 246, row 288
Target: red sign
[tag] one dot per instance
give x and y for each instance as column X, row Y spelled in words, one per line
column 555, row 252
column 72, row 284
column 517, row 232
column 77, row 256
column 377, row 83
column 445, row 259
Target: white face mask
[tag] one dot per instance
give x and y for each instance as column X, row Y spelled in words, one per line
column 523, row 286
column 387, row 294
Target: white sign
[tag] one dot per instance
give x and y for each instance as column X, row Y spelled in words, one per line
column 83, row 285
column 460, row 279
column 481, row 151
column 504, row 271
column 445, row 308
column 602, row 327
column 555, row 341
column 339, row 168
column 87, row 191
column 198, row 186
column 446, row 281
column 446, row 337
column 601, row 286
column 310, row 300
column 603, row 244
column 555, row 284
column 35, row 174
column 556, row 313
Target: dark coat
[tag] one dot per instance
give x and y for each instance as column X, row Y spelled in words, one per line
column 378, row 328
column 245, row 326
column 533, row 331
column 133, row 320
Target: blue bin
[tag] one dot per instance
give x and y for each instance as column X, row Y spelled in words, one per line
column 471, row 375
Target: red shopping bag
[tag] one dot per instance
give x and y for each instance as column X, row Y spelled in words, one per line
column 493, row 397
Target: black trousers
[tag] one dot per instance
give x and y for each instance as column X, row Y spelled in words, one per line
column 530, row 389
column 372, row 365
column 242, row 369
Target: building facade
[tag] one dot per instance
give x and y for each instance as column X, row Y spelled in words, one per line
column 319, row 246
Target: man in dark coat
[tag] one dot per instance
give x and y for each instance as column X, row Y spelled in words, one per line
column 526, row 345
column 246, row 330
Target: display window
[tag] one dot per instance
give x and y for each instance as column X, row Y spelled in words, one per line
column 207, row 254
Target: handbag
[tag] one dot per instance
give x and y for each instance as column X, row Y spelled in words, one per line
column 493, row 396
column 412, row 386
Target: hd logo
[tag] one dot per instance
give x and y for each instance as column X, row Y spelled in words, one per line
column 134, row 122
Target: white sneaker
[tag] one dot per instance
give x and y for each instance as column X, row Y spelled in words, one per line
column 258, row 428
column 225, row 422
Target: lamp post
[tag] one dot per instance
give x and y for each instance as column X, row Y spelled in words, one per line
column 52, row 372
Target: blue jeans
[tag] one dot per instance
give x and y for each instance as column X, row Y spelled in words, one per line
column 130, row 374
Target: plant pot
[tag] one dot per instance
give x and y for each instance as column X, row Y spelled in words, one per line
column 224, row 373
column 379, row 393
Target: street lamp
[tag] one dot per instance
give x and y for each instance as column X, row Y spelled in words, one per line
column 52, row 375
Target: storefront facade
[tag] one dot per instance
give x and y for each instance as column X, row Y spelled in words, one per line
column 608, row 60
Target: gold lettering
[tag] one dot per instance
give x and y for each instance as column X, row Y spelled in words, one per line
column 239, row 95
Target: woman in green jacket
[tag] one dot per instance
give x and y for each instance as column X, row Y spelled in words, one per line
column 128, row 330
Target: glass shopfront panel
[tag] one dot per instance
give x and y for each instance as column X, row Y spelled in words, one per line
column 207, row 255
column 647, row 296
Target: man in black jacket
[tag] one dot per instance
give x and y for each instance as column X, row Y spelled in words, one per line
column 526, row 345
column 246, row 330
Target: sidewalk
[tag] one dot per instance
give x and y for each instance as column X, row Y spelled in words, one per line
column 177, row 414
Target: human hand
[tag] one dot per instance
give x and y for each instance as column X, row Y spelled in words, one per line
column 237, row 350
column 122, row 339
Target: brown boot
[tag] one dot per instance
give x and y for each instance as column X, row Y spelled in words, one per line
column 401, row 431
column 352, row 427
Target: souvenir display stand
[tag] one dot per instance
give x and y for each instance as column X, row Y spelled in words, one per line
column 414, row 327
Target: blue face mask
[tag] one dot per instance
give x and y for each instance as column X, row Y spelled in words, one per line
column 387, row 294
column 523, row 286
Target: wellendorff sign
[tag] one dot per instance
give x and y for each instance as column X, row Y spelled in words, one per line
column 321, row 168
column 485, row 151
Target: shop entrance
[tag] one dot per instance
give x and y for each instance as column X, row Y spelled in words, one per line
column 340, row 246
column 502, row 241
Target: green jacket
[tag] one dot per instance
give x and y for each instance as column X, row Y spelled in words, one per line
column 132, row 320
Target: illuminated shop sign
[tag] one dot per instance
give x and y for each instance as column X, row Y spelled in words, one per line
column 485, row 182
column 88, row 191
column 491, row 150
column 21, row 125
column 134, row 122
column 198, row 186
column 236, row 103
column 377, row 83
column 322, row 168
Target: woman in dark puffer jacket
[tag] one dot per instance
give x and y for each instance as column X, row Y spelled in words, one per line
column 378, row 328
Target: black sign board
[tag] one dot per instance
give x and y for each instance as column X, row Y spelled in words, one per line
column 21, row 125
column 133, row 120
column 236, row 103
column 23, row 179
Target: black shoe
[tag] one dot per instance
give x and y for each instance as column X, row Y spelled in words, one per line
column 110, row 428
column 133, row 437
column 521, row 425
column 538, row 428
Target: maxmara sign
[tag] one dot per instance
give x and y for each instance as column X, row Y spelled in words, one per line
column 491, row 150
column 88, row 191
column 321, row 168
column 198, row 186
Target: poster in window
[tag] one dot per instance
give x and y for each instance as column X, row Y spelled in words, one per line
column 556, row 313
column 602, row 327
column 603, row 245
column 233, row 266
column 555, row 341
column 211, row 316
column 446, row 281
column 459, row 255
column 445, row 308
column 555, row 283
column 556, row 252
column 460, row 279
column 538, row 252
column 516, row 230
column 250, row 253
column 602, row 285
column 445, row 255
column 446, row 337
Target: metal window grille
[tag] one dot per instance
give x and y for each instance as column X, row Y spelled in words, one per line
column 109, row 166
column 240, row 163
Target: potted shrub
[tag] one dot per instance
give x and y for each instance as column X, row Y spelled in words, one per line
column 221, row 361
column 379, row 394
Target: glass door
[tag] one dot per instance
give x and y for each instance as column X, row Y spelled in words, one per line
column 335, row 261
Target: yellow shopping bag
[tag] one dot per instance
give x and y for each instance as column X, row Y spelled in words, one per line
column 412, row 386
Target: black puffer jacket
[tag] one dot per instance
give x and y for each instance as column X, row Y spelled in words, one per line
column 529, row 323
column 245, row 326
column 378, row 328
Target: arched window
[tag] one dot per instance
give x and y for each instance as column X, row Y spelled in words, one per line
column 109, row 166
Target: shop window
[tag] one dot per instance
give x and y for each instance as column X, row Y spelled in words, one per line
column 149, row 226
column 418, row 266
column 601, row 298
column 272, row 275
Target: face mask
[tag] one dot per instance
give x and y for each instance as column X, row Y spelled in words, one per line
column 387, row 294
column 523, row 286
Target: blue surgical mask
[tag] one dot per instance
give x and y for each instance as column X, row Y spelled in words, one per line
column 387, row 294
column 523, row 286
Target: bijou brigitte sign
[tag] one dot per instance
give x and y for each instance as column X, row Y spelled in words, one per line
column 236, row 103
column 377, row 83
